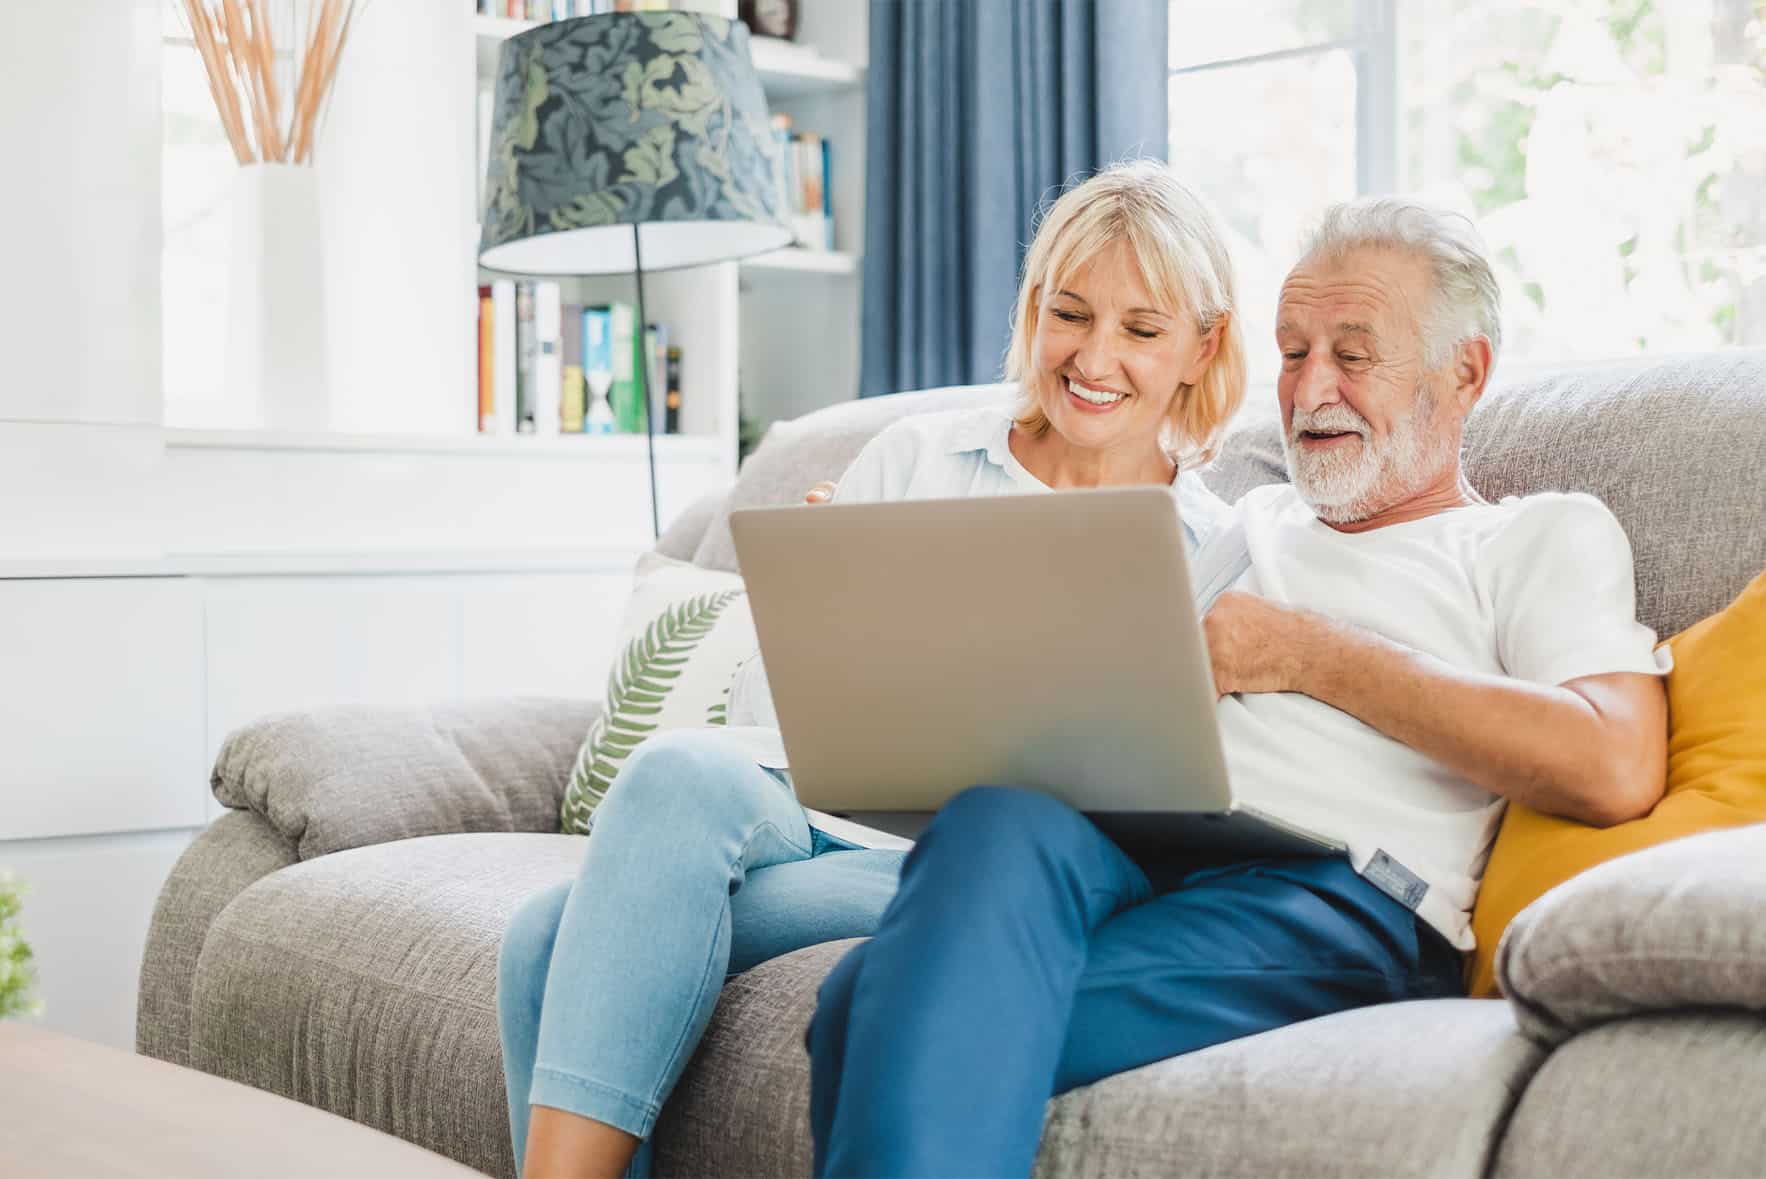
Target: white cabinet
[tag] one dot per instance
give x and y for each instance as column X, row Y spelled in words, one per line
column 117, row 692
column 101, row 715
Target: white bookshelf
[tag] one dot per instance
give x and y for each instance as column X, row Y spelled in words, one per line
column 742, row 328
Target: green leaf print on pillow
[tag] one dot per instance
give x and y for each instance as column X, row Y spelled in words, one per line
column 638, row 688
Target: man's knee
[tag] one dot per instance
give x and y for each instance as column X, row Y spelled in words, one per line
column 1008, row 820
column 827, row 1027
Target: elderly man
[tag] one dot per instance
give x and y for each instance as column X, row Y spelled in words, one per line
column 1398, row 658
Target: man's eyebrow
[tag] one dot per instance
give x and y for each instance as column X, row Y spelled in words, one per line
column 1342, row 329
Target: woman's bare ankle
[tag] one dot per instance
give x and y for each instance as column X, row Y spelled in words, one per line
column 563, row 1145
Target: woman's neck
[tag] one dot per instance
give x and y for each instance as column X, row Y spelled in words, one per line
column 1059, row 464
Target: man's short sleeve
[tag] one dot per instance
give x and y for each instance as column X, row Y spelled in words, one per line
column 1559, row 579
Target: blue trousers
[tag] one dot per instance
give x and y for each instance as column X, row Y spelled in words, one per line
column 1025, row 954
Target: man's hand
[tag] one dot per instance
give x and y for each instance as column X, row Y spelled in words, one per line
column 821, row 493
column 1256, row 645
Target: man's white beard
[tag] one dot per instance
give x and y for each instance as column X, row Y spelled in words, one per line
column 1350, row 483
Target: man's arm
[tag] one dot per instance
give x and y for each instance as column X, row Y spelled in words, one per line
column 1592, row 749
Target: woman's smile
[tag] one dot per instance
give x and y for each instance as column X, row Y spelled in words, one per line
column 1093, row 398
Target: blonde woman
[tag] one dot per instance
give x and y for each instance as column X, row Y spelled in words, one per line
column 1129, row 360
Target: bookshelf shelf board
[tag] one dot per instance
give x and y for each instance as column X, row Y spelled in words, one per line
column 599, row 447
column 488, row 35
column 792, row 71
column 795, row 260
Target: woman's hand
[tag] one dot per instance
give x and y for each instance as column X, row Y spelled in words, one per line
column 1256, row 645
column 821, row 493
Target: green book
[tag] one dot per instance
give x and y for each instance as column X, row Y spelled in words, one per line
column 628, row 362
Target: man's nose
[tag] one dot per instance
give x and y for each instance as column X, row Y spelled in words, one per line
column 1315, row 385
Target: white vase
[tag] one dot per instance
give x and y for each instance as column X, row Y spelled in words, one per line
column 276, row 351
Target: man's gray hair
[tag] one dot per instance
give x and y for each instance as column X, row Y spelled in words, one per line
column 1465, row 301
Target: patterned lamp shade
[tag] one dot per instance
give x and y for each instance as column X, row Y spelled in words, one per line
column 654, row 119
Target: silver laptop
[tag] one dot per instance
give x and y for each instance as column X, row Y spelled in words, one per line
column 1046, row 641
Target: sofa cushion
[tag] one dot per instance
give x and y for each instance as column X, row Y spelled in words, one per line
column 686, row 632
column 799, row 453
column 1672, row 445
column 1716, row 776
column 350, row 776
column 1670, row 927
column 1643, row 1098
column 1410, row 1088
column 364, row 983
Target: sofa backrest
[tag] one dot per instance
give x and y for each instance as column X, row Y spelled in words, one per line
column 796, row 455
column 1675, row 446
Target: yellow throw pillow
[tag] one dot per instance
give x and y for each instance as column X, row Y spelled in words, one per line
column 1716, row 777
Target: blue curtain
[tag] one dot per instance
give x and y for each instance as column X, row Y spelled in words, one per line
column 978, row 112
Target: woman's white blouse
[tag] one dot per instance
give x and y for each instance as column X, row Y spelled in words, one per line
column 964, row 452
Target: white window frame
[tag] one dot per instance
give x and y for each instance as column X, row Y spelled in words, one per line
column 1374, row 49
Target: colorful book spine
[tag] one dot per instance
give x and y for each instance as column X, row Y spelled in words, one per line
column 526, row 353
column 671, row 414
column 503, row 304
column 548, row 368
column 487, row 365
column 597, row 333
column 572, row 407
column 628, row 357
column 656, row 348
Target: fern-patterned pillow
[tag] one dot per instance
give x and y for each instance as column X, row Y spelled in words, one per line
column 685, row 633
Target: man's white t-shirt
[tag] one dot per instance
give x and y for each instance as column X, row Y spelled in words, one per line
column 1538, row 588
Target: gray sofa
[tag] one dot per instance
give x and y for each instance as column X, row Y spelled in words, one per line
column 334, row 936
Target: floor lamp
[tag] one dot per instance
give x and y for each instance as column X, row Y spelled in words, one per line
column 629, row 142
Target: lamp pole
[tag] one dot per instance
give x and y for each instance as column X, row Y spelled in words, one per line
column 643, row 329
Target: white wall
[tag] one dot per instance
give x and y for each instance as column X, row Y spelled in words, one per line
column 396, row 158
column 80, row 129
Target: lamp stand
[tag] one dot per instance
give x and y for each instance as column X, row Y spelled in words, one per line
column 644, row 385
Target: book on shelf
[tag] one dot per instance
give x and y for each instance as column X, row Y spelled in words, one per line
column 807, row 184
column 547, row 367
column 487, row 367
column 526, row 352
column 503, row 363
column 671, row 414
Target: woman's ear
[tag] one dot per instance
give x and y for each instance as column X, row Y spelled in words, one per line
column 1210, row 348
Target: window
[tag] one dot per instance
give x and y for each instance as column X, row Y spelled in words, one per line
column 1613, row 152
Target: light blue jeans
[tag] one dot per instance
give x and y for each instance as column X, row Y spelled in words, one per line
column 701, row 865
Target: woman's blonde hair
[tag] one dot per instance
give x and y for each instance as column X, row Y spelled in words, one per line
column 1182, row 259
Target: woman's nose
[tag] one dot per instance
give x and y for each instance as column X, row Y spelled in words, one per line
column 1096, row 358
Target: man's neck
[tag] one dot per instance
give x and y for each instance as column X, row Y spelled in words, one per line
column 1451, row 491
column 1059, row 464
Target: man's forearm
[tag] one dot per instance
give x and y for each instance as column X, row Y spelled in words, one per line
column 1543, row 746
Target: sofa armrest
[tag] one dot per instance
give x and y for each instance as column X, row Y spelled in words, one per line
column 332, row 779
column 1670, row 927
column 229, row 856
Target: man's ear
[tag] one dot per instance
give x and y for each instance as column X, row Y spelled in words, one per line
column 1471, row 372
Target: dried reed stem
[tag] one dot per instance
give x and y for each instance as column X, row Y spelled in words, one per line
column 218, row 82
column 238, row 51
